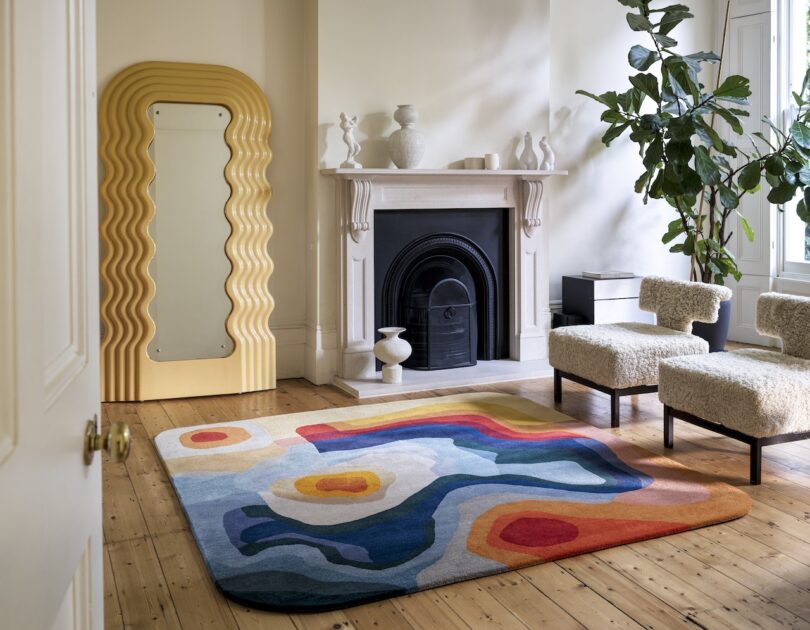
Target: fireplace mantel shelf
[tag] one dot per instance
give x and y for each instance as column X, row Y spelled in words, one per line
column 357, row 173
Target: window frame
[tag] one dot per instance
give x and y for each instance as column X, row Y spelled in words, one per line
column 789, row 269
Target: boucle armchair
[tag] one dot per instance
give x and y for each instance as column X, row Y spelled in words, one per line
column 759, row 397
column 622, row 359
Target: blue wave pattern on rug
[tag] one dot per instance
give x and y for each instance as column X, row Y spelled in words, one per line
column 333, row 514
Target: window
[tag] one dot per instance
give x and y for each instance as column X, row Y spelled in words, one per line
column 795, row 32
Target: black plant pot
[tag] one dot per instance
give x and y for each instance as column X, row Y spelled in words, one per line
column 716, row 333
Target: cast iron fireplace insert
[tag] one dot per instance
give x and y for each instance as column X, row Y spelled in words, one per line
column 442, row 275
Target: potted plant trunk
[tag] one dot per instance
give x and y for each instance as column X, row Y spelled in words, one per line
column 670, row 115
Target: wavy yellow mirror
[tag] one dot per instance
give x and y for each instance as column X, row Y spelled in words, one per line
column 186, row 305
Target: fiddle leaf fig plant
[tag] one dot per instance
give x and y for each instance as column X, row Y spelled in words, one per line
column 669, row 113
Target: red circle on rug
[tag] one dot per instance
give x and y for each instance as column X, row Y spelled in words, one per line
column 208, row 436
column 529, row 531
column 342, row 484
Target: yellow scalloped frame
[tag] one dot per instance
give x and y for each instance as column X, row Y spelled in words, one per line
column 126, row 133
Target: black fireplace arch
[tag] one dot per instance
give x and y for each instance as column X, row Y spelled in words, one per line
column 417, row 279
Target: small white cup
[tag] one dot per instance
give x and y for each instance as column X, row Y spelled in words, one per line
column 492, row 161
column 474, row 163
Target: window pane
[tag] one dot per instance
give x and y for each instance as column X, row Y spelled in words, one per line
column 797, row 233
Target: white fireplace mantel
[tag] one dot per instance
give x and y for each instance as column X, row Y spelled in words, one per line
column 360, row 193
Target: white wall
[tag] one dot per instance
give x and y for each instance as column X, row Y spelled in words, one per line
column 480, row 72
column 597, row 220
column 263, row 39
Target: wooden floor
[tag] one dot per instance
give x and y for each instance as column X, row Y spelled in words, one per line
column 753, row 572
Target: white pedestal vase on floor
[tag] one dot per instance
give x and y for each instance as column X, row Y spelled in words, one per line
column 392, row 350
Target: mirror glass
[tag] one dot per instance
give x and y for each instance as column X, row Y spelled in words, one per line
column 190, row 229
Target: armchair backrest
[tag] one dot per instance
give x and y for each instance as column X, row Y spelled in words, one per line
column 786, row 317
column 678, row 303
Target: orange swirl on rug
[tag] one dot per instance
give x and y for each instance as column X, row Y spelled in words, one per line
column 356, row 483
column 522, row 533
column 214, row 437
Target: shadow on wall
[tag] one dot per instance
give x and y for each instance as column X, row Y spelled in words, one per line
column 374, row 149
column 475, row 96
column 323, row 142
column 627, row 231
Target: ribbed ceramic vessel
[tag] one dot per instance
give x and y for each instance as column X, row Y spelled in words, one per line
column 392, row 350
column 406, row 145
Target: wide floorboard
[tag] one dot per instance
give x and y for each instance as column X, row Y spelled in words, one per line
column 753, row 572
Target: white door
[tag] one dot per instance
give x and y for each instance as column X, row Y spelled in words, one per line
column 50, row 501
column 750, row 51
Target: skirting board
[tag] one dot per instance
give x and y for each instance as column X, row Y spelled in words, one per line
column 484, row 373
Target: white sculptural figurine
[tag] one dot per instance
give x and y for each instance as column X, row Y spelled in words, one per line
column 348, row 125
column 549, row 160
column 528, row 159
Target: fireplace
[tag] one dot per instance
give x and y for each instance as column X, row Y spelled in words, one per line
column 435, row 210
column 442, row 275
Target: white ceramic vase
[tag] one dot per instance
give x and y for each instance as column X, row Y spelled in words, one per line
column 392, row 350
column 406, row 145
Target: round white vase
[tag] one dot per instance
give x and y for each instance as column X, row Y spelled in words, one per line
column 392, row 350
column 406, row 145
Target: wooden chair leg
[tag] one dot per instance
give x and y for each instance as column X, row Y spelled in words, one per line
column 614, row 410
column 756, row 462
column 557, row 386
column 669, row 427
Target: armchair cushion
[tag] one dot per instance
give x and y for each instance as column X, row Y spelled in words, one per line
column 761, row 393
column 619, row 355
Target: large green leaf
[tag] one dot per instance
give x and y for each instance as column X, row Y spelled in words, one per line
column 802, row 211
column 679, row 152
column 709, row 135
column 681, row 128
column 800, row 134
column 647, row 83
column 705, row 167
column 674, row 230
column 782, row 193
column 775, row 165
column 654, row 153
column 750, row 176
column 728, row 198
column 672, row 18
column 610, row 98
column 671, row 7
column 749, row 233
column 665, row 41
column 641, row 182
column 598, row 99
column 614, row 132
column 612, row 116
column 641, row 58
column 704, row 56
column 731, row 119
column 734, row 86
column 639, row 22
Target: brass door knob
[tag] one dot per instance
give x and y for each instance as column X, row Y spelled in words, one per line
column 116, row 441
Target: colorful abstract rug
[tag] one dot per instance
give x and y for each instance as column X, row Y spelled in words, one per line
column 333, row 508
